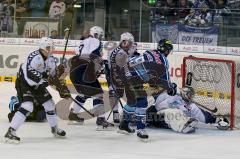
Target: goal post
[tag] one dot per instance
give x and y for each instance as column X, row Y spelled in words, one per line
column 216, row 83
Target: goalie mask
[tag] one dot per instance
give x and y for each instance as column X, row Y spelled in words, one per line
column 46, row 44
column 165, row 46
column 126, row 41
column 97, row 32
column 187, row 93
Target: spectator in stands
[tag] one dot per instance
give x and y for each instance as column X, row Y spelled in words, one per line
column 200, row 14
column 85, row 34
column 170, row 10
column 57, row 9
column 221, row 11
column 157, row 13
column 35, row 34
column 54, row 34
column 184, row 8
column 68, row 15
column 7, row 19
column 22, row 11
column 1, row 7
column 38, row 8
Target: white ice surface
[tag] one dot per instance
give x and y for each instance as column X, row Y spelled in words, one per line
column 84, row 142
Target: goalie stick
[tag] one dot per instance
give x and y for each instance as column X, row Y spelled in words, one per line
column 213, row 111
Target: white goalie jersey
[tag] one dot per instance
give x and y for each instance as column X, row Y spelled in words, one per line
column 165, row 101
column 35, row 66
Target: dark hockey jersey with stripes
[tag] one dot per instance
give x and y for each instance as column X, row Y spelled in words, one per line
column 151, row 68
column 156, row 57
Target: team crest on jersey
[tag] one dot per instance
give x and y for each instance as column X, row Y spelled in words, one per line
column 39, row 65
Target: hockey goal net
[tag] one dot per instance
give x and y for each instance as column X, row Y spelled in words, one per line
column 216, row 84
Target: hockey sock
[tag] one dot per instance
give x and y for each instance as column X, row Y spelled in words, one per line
column 115, row 108
column 102, row 115
column 113, row 100
column 17, row 120
column 21, row 115
column 128, row 112
column 51, row 118
column 49, row 107
column 99, row 106
column 140, row 114
column 81, row 100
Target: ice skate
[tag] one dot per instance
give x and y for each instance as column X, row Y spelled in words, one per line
column 190, row 126
column 74, row 119
column 125, row 128
column 142, row 135
column 59, row 133
column 102, row 124
column 10, row 136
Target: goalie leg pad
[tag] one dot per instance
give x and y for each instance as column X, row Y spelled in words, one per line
column 177, row 120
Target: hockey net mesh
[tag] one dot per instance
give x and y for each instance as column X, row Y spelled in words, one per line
column 214, row 83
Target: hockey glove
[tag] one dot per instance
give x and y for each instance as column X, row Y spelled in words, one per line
column 64, row 93
column 173, row 90
column 45, row 74
column 60, row 70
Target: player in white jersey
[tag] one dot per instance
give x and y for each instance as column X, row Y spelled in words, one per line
column 181, row 114
column 86, row 66
column 31, row 85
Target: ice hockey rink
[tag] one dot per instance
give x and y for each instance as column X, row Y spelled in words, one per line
column 84, row 141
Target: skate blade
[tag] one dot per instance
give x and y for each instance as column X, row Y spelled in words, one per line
column 190, row 128
column 143, row 140
column 9, row 141
column 58, row 136
column 101, row 128
column 75, row 123
column 124, row 132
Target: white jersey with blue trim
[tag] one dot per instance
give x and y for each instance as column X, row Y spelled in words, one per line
column 165, row 101
column 35, row 66
column 88, row 46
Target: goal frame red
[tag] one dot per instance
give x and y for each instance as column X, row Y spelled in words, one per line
column 233, row 70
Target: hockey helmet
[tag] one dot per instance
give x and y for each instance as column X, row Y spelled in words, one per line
column 187, row 93
column 97, row 32
column 126, row 40
column 46, row 44
column 127, row 37
column 165, row 46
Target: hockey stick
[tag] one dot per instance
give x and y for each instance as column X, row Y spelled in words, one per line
column 69, row 31
column 202, row 106
column 82, row 107
column 109, row 81
column 207, row 109
column 66, row 43
column 118, row 98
